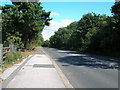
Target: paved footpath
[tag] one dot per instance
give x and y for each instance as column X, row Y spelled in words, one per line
column 37, row 72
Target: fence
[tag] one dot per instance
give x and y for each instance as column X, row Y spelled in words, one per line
column 1, row 47
column 5, row 51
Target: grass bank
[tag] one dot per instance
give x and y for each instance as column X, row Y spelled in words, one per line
column 15, row 58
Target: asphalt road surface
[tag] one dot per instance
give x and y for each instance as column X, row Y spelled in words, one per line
column 86, row 70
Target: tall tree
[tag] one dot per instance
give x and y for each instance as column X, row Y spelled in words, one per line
column 27, row 18
column 116, row 25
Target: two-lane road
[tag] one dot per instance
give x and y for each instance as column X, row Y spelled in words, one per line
column 85, row 70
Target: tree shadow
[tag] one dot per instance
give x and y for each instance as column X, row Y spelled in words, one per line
column 88, row 60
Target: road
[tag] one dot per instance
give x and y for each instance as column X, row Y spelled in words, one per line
column 86, row 70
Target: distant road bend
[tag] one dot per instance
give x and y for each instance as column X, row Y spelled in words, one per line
column 85, row 70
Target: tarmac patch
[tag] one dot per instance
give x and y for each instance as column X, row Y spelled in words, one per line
column 43, row 66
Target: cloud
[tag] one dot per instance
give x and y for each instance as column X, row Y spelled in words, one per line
column 66, row 22
column 54, row 14
column 48, row 31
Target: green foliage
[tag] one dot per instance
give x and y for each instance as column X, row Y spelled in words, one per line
column 62, row 37
column 46, row 43
column 15, row 38
column 116, row 24
column 39, row 40
column 12, row 57
column 89, row 36
column 26, row 18
column 77, row 35
column 93, row 33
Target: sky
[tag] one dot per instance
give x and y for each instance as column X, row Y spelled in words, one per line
column 64, row 13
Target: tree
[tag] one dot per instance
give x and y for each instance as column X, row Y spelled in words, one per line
column 27, row 18
column 116, row 25
column 93, row 33
column 46, row 43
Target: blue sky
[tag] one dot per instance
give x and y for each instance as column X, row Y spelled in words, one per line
column 63, row 13
column 75, row 10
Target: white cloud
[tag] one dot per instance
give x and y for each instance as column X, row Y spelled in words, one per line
column 54, row 14
column 48, row 31
column 66, row 22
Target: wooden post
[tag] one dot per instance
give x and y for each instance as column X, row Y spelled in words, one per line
column 1, row 48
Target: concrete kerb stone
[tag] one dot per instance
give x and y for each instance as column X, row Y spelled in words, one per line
column 12, row 75
column 60, row 73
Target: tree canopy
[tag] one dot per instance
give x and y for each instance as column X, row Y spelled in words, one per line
column 25, row 22
column 93, row 32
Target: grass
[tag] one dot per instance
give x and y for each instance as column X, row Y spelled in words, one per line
column 16, row 58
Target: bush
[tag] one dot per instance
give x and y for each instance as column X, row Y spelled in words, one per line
column 46, row 43
column 12, row 57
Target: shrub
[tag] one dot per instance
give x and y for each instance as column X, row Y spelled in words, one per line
column 12, row 57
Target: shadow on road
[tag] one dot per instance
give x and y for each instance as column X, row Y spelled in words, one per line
column 92, row 61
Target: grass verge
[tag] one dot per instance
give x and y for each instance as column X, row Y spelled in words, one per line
column 15, row 58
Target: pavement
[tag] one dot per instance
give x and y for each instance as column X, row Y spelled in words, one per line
column 86, row 70
column 36, row 71
column 55, row 68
